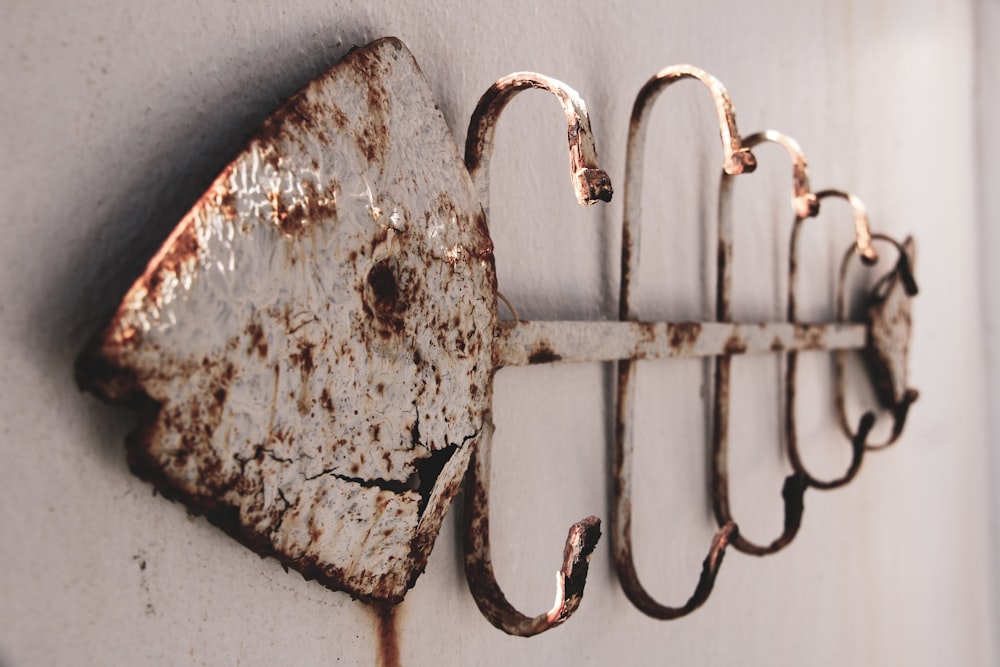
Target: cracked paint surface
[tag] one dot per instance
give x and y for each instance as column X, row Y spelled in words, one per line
column 311, row 346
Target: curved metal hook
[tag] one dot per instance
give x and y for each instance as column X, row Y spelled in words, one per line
column 570, row 580
column 792, row 492
column 862, row 230
column 590, row 182
column 863, row 247
column 622, row 533
column 737, row 160
column 795, row 485
column 804, row 201
column 899, row 285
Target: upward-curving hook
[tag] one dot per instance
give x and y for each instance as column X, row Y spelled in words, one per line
column 737, row 159
column 591, row 184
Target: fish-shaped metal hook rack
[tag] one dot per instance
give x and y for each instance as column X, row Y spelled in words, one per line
column 313, row 347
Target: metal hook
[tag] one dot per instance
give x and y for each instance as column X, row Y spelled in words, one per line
column 591, row 184
column 795, row 485
column 622, row 532
column 865, row 250
column 862, row 230
column 889, row 317
column 804, row 201
column 738, row 159
column 570, row 580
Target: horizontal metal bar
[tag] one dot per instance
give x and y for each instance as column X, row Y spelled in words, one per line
column 522, row 343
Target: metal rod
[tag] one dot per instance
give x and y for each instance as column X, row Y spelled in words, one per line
column 525, row 343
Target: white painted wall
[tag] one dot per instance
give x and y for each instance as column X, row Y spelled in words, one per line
column 116, row 115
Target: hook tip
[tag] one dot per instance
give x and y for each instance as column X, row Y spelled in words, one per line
column 740, row 162
column 865, row 425
column 592, row 185
column 580, row 544
column 812, row 204
column 909, row 282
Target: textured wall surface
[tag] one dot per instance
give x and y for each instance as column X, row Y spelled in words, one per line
column 116, row 116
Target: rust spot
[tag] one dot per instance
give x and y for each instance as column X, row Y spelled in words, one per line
column 684, row 335
column 257, row 339
column 811, row 336
column 777, row 345
column 227, row 204
column 387, row 295
column 543, row 354
column 339, row 117
column 293, row 219
column 735, row 345
column 326, row 400
column 373, row 138
column 382, row 281
column 296, row 214
column 648, row 332
column 304, row 360
column 722, row 260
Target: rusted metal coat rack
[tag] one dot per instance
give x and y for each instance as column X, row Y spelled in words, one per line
column 313, row 347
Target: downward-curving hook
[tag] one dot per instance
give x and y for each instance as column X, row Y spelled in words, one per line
column 863, row 247
column 591, row 184
column 887, row 362
column 737, row 159
column 804, row 201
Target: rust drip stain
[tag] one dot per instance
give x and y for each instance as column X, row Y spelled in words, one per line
column 387, row 635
